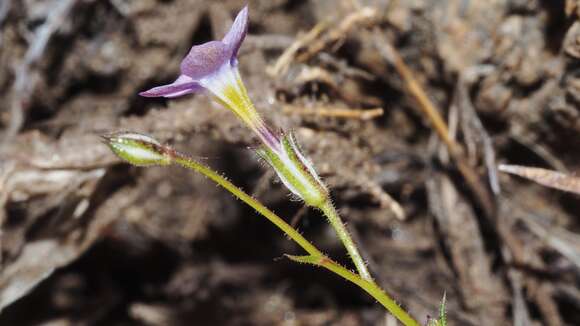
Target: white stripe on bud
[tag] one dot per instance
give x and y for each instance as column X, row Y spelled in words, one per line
column 138, row 149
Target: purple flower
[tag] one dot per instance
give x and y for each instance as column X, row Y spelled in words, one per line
column 206, row 62
column 213, row 66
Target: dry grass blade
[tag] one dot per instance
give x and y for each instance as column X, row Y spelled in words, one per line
column 284, row 61
column 416, row 90
column 475, row 134
column 431, row 112
column 544, row 177
column 365, row 15
column 321, row 36
column 384, row 198
column 458, row 223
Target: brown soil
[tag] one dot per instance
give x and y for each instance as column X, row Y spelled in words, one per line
column 88, row 240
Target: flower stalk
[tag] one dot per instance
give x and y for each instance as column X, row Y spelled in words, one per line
column 213, row 67
column 334, row 219
column 136, row 148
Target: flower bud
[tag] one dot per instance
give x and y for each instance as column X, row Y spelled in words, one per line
column 138, row 149
column 295, row 171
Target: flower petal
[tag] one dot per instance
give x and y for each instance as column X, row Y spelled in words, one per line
column 181, row 86
column 205, row 59
column 237, row 32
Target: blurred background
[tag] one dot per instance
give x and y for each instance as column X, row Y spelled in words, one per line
column 88, row 240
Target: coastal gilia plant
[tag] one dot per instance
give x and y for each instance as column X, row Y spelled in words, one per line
column 213, row 67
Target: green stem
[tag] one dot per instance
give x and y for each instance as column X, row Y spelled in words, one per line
column 340, row 229
column 373, row 290
column 368, row 285
column 240, row 194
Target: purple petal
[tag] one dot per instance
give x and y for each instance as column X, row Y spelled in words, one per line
column 181, row 86
column 237, row 32
column 205, row 59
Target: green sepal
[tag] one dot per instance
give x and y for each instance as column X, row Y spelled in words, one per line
column 295, row 171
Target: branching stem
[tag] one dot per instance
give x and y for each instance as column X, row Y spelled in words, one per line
column 340, row 229
column 240, row 194
column 368, row 285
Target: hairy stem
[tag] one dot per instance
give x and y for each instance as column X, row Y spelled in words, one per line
column 366, row 284
column 373, row 290
column 340, row 229
column 240, row 194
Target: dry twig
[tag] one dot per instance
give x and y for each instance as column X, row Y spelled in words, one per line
column 284, row 61
column 365, row 15
column 378, row 193
column 328, row 111
column 315, row 40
